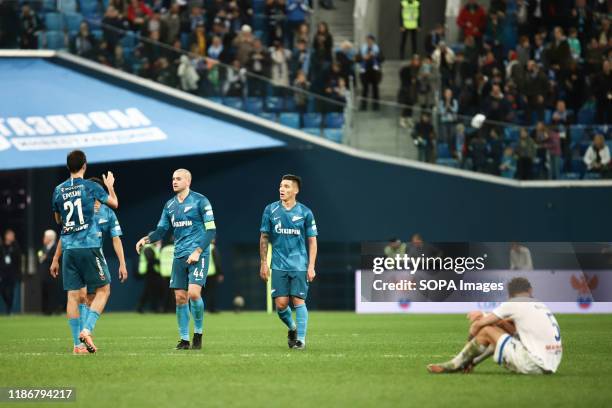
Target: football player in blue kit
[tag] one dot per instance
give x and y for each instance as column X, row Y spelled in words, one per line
column 191, row 216
column 83, row 262
column 289, row 226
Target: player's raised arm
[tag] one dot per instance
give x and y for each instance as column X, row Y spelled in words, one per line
column 109, row 181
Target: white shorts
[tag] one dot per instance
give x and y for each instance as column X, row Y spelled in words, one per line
column 510, row 352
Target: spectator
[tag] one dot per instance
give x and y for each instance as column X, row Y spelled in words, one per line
column 259, row 64
column 525, row 152
column 10, row 268
column 520, row 258
column 410, row 24
column 216, row 48
column 425, row 139
column 50, row 288
column 243, row 45
column 558, row 54
column 370, row 71
column 407, row 94
column 299, row 59
column 236, row 80
column 472, row 20
column 597, row 156
column 507, row 167
column 84, row 44
column 301, row 98
column 279, row 57
column 119, row 60
column 323, row 41
column 574, row 44
column 297, row 11
column 137, row 14
column 113, row 24
column 395, row 247
column 459, row 148
column 443, row 59
column 172, row 22
column 426, row 84
column 561, row 120
column 188, row 75
column 345, row 56
column 196, row 17
column 477, row 152
column 198, row 38
column 535, row 88
column 433, row 38
column 495, row 151
column 447, row 109
column 165, row 73
column 602, row 86
column 303, row 34
column 29, row 26
column 275, row 13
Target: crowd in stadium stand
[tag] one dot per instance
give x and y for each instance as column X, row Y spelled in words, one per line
column 543, row 65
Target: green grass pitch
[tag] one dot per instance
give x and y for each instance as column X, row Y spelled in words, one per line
column 350, row 360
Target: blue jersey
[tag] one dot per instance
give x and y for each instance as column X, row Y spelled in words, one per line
column 190, row 220
column 107, row 223
column 288, row 231
column 74, row 200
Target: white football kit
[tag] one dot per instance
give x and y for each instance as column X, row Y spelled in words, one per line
column 536, row 349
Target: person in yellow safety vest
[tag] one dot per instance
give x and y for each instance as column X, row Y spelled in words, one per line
column 149, row 268
column 215, row 277
column 166, row 258
column 410, row 23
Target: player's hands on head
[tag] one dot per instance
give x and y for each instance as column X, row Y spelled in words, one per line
column 310, row 275
column 108, row 179
column 123, row 273
column 264, row 272
column 54, row 270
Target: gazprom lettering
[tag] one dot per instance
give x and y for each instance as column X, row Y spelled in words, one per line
column 278, row 228
column 177, row 224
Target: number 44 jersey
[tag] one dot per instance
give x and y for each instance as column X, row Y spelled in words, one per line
column 74, row 200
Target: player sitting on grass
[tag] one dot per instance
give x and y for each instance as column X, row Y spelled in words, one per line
column 535, row 348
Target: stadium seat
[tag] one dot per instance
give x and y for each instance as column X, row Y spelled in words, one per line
column 259, row 6
column 254, row 105
column 55, row 40
column 274, row 104
column 577, row 133
column 98, row 34
column 548, row 116
column 443, row 151
column 89, row 8
column 334, row 120
column 333, row 134
column 215, row 99
column 234, row 102
column 68, row 6
column 49, row 5
column 289, row 119
column 586, row 116
column 290, row 104
column 448, row 162
column 578, row 166
column 312, row 131
column 259, row 22
column 570, row 175
column 73, row 22
column 584, row 145
column 54, row 22
column 312, row 120
column 129, row 40
column 592, row 176
column 267, row 115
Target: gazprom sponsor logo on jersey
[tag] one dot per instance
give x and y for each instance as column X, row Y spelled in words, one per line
column 278, row 228
column 179, row 224
column 78, row 130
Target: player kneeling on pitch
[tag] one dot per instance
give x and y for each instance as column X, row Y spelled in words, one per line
column 288, row 225
column 191, row 217
column 522, row 335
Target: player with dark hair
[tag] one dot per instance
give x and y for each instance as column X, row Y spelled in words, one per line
column 108, row 224
column 83, row 262
column 533, row 348
column 291, row 229
column 191, row 216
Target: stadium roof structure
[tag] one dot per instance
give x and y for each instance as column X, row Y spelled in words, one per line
column 47, row 110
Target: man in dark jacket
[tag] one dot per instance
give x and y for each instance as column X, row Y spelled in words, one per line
column 10, row 268
column 50, row 288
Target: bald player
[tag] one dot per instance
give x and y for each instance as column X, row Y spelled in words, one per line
column 191, row 216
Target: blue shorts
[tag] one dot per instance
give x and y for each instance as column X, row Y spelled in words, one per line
column 184, row 274
column 289, row 283
column 84, row 267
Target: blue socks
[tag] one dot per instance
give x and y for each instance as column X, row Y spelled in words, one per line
column 92, row 318
column 301, row 317
column 182, row 317
column 197, row 311
column 75, row 329
column 285, row 316
column 83, row 312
